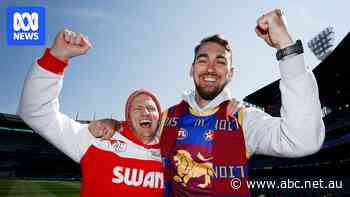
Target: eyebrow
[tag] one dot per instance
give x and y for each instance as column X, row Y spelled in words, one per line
column 221, row 56
column 137, row 107
column 143, row 105
column 202, row 55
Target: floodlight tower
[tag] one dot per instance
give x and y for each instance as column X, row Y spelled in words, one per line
column 321, row 45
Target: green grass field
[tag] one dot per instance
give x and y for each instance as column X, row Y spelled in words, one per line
column 29, row 188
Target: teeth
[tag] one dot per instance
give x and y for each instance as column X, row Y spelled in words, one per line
column 145, row 121
column 210, row 79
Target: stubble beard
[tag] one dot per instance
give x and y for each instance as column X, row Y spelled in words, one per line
column 209, row 96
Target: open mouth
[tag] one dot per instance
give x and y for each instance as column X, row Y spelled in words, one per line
column 145, row 123
column 210, row 79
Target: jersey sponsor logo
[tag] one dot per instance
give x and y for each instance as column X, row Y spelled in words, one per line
column 117, row 145
column 155, row 153
column 26, row 25
column 199, row 122
column 229, row 171
column 181, row 134
column 226, row 125
column 138, row 177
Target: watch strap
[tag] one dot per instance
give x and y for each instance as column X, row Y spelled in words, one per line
column 296, row 48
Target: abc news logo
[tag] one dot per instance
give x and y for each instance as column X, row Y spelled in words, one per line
column 26, row 25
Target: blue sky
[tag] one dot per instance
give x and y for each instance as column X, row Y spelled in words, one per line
column 149, row 44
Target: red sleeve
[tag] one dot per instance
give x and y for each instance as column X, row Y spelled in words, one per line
column 51, row 63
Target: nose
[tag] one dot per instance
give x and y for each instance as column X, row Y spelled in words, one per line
column 211, row 67
column 145, row 111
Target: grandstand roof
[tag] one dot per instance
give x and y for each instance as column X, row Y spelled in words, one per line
column 15, row 122
column 333, row 79
column 12, row 121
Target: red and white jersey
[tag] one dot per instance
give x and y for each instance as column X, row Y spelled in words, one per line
column 121, row 167
column 117, row 167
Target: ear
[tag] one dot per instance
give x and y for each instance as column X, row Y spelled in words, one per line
column 231, row 73
column 191, row 71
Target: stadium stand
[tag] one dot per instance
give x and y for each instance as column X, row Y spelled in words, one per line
column 26, row 155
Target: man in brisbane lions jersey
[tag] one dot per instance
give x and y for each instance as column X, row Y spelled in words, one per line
column 205, row 149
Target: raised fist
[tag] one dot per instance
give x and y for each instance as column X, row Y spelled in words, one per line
column 68, row 44
column 272, row 28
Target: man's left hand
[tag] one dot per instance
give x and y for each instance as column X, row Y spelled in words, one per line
column 104, row 128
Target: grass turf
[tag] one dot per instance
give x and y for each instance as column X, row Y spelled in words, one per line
column 31, row 188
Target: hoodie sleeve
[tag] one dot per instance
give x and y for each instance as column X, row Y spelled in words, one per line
column 300, row 130
column 39, row 108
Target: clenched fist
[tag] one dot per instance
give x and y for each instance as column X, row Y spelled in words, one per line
column 272, row 28
column 69, row 44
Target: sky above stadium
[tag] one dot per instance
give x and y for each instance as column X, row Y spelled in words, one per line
column 149, row 44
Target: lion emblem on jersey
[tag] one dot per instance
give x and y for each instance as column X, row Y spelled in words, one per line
column 187, row 168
